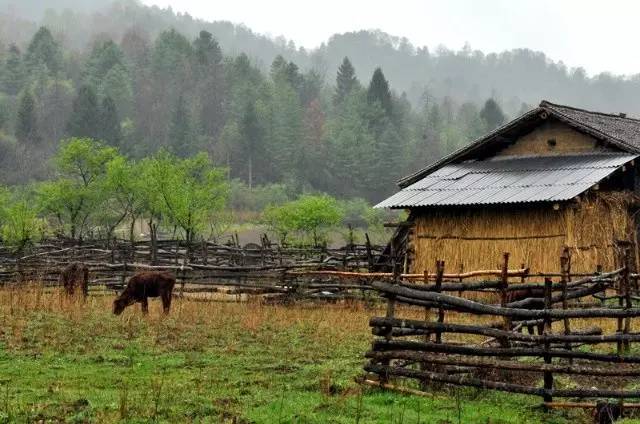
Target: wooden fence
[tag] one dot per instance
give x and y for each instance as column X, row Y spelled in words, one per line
column 434, row 334
column 261, row 269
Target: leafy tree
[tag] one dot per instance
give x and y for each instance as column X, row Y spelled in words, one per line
column 13, row 75
column 346, row 81
column 492, row 115
column 311, row 216
column 85, row 116
column 44, row 51
column 186, row 191
column 379, row 91
column 21, row 226
column 109, row 129
column 26, row 124
column 77, row 194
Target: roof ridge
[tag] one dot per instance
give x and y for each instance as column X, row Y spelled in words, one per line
column 546, row 103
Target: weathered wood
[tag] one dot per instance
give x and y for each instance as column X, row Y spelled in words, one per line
column 502, row 364
column 464, row 380
column 484, row 309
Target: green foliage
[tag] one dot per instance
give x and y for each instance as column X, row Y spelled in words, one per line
column 78, row 192
column 44, row 51
column 181, row 132
column 184, row 192
column 492, row 115
column 85, row 117
column 346, row 81
column 21, row 224
column 309, row 218
column 109, row 129
column 26, row 124
column 12, row 79
column 379, row 91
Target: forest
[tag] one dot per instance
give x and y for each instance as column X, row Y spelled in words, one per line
column 278, row 122
column 303, row 129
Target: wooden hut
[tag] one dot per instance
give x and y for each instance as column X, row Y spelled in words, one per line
column 555, row 177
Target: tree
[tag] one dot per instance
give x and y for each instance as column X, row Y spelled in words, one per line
column 310, row 216
column 188, row 191
column 26, row 123
column 379, row 91
column 251, row 135
column 109, row 129
column 21, row 226
column 44, row 51
column 13, row 75
column 85, row 116
column 207, row 50
column 181, row 134
column 492, row 115
column 346, row 81
column 77, row 194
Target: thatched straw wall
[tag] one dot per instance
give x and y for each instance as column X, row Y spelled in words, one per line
column 534, row 236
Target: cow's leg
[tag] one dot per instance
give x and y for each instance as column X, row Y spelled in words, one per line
column 166, row 301
column 144, row 303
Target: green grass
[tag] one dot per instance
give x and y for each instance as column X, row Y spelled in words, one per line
column 212, row 363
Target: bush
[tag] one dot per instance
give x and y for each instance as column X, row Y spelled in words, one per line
column 310, row 218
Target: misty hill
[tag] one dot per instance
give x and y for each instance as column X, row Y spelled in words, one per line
column 513, row 77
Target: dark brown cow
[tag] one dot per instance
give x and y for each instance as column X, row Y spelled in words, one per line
column 535, row 292
column 75, row 275
column 143, row 286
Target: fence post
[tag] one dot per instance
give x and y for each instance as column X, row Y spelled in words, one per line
column 548, row 375
column 369, row 255
column 391, row 309
column 504, row 283
column 565, row 270
column 438, row 289
column 627, row 297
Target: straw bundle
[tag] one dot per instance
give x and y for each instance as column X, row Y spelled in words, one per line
column 535, row 236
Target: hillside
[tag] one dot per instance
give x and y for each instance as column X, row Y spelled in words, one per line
column 512, row 77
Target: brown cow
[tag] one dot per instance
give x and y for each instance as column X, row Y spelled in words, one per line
column 74, row 275
column 144, row 285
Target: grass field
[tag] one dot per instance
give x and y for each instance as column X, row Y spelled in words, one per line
column 212, row 362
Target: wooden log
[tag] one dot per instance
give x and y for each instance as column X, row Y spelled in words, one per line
column 463, row 380
column 614, row 371
column 448, row 301
column 547, row 375
column 383, row 345
column 415, row 325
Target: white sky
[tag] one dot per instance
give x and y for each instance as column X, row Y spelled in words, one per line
column 595, row 34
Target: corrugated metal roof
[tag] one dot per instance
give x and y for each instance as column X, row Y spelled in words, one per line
column 509, row 180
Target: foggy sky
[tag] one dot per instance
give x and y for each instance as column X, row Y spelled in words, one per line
column 596, row 35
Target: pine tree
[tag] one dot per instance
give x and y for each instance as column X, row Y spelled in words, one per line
column 346, row 81
column 492, row 115
column 44, row 50
column 379, row 91
column 13, row 75
column 251, row 135
column 85, row 115
column 109, row 124
column 181, row 131
column 207, row 49
column 26, row 123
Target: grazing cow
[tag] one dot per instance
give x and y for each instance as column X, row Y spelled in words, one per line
column 143, row 286
column 535, row 292
column 75, row 275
